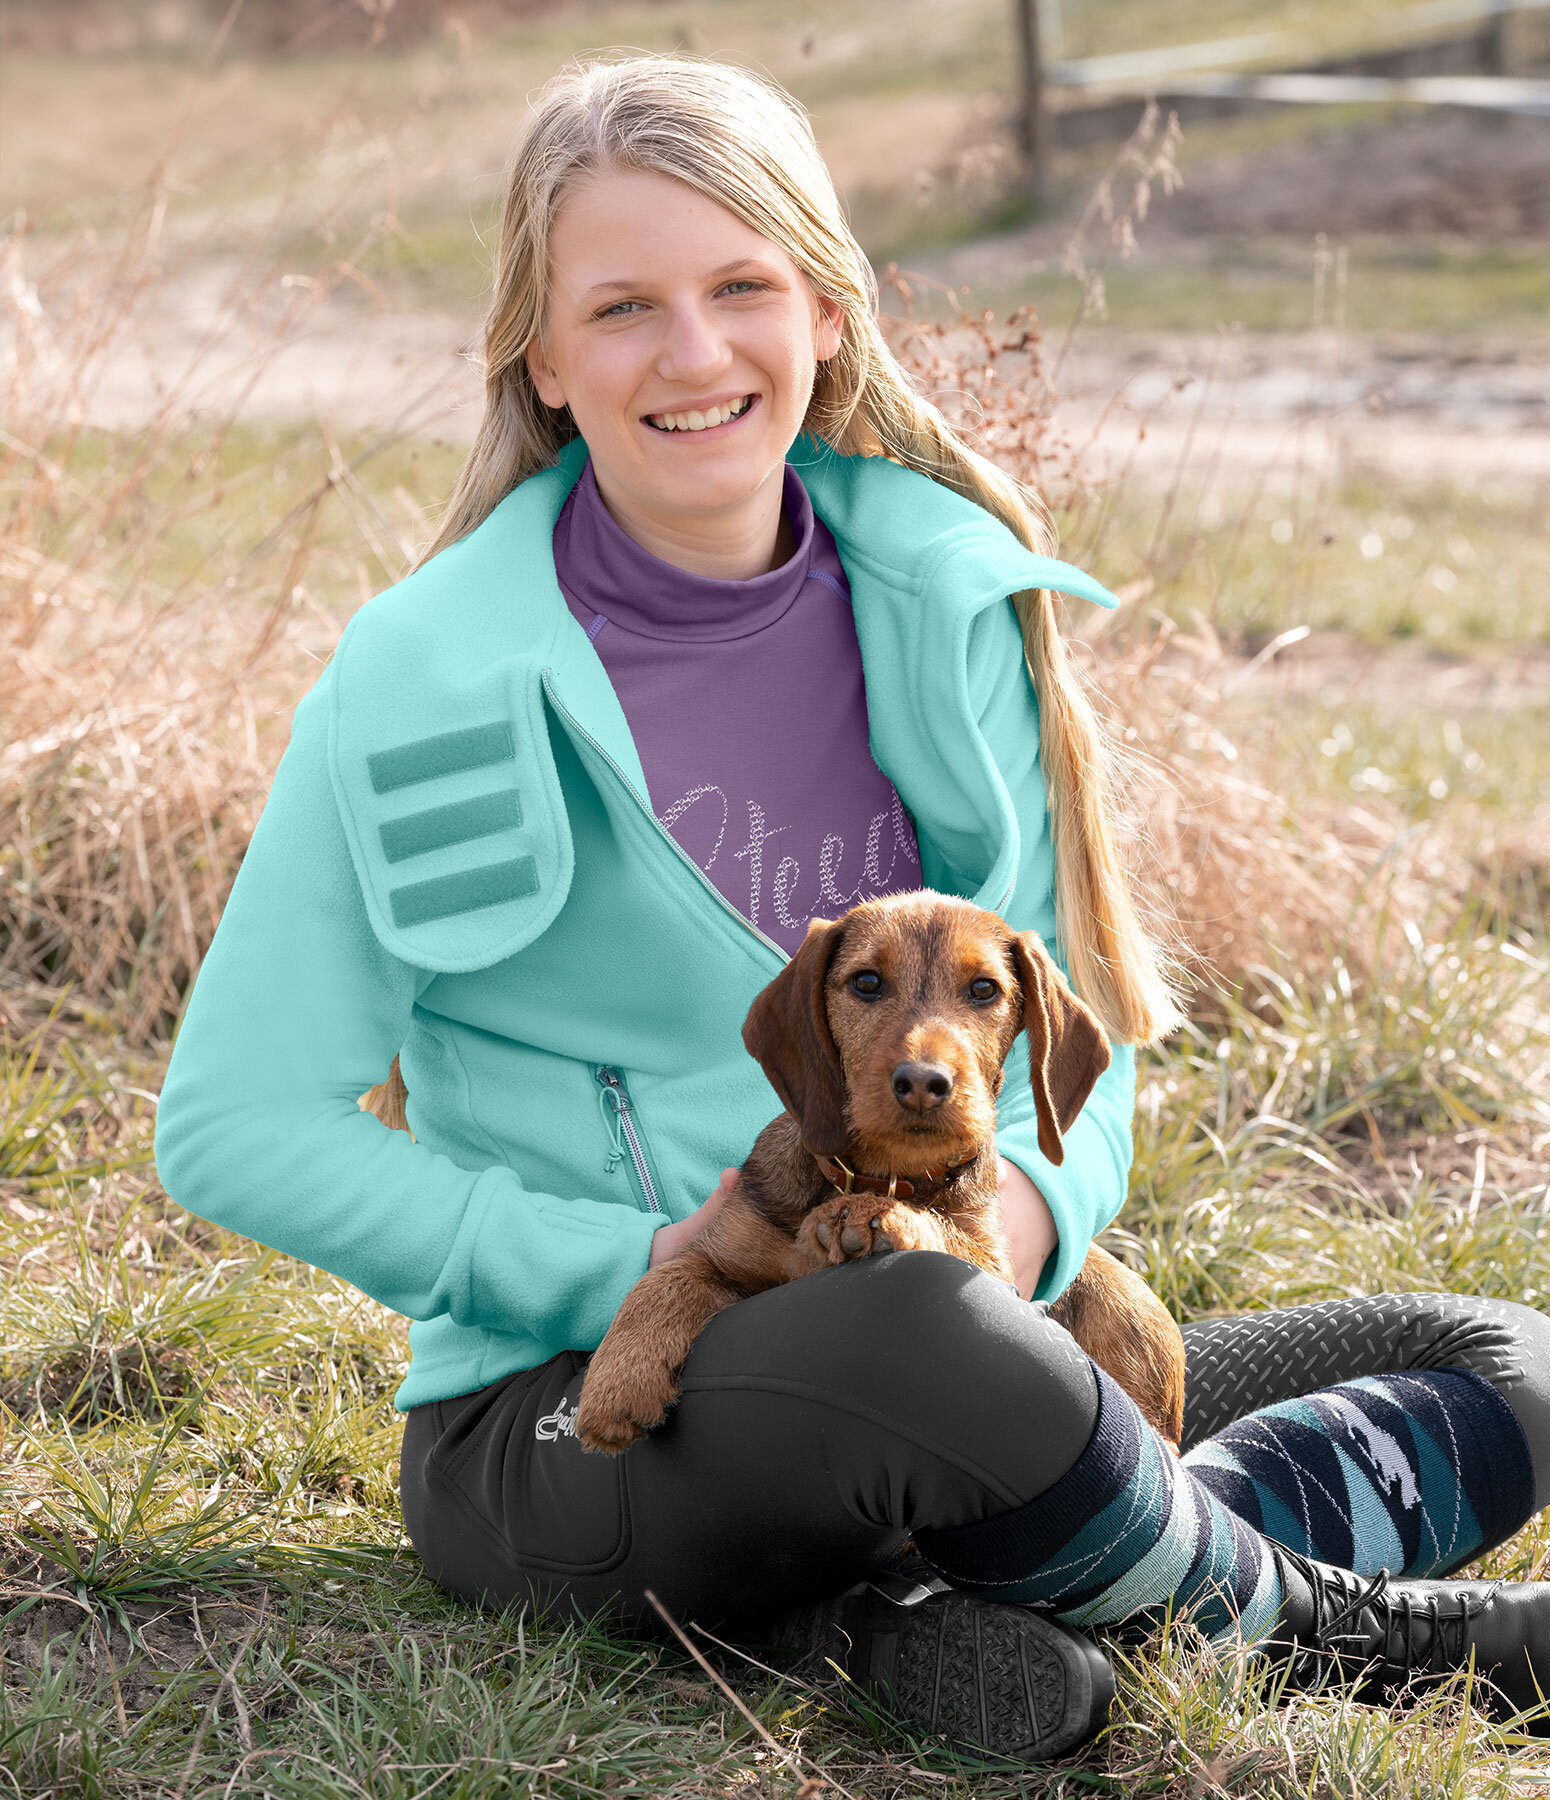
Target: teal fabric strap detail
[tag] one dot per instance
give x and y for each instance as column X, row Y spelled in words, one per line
column 458, row 823
column 464, row 892
column 448, row 753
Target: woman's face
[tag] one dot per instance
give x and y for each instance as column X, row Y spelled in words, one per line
column 667, row 312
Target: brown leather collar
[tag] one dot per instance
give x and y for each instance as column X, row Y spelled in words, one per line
column 893, row 1187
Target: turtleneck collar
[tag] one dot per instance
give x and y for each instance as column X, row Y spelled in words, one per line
column 601, row 565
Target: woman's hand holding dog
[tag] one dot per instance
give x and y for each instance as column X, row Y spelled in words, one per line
column 1027, row 1226
column 670, row 1239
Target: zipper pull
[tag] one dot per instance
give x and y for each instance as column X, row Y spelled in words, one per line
column 613, row 1124
column 613, row 1103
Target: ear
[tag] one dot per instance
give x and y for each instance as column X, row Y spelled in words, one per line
column 1067, row 1047
column 550, row 389
column 828, row 326
column 787, row 1033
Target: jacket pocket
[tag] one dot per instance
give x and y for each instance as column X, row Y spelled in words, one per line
column 627, row 1136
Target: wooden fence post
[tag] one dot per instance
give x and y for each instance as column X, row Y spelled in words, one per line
column 1497, row 43
column 1033, row 113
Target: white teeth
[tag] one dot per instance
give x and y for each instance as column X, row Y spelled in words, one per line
column 700, row 421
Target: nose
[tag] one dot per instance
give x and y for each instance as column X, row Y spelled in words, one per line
column 692, row 348
column 919, row 1086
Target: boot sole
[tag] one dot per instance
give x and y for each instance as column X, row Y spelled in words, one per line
column 988, row 1676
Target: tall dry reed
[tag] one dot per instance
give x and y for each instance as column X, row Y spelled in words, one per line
column 158, row 606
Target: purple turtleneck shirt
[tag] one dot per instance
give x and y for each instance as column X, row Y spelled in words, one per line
column 747, row 704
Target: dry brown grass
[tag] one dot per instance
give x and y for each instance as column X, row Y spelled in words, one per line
column 160, row 613
column 158, row 610
column 1235, row 880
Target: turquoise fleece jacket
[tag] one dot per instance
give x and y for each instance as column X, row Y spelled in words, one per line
column 458, row 864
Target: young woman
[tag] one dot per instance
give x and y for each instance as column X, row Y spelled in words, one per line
column 727, row 629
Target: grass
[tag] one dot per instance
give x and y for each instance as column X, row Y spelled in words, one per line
column 205, row 1579
column 204, row 1584
column 1450, row 569
column 1394, row 286
column 1492, row 295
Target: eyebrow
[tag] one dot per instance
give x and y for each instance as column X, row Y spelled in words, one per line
column 627, row 285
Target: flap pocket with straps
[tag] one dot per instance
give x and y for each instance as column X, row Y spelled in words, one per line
column 452, row 807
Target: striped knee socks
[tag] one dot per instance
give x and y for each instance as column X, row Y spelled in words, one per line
column 1127, row 1531
column 1413, row 1473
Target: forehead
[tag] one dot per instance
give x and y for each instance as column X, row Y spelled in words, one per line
column 921, row 942
column 628, row 224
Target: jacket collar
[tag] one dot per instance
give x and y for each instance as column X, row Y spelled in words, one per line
column 922, row 561
column 931, row 533
column 924, row 564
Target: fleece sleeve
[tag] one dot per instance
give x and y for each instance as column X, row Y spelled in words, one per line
column 1086, row 1191
column 297, row 1009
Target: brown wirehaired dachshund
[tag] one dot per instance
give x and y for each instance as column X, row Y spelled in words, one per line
column 886, row 1036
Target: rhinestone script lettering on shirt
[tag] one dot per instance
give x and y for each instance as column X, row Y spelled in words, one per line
column 791, row 909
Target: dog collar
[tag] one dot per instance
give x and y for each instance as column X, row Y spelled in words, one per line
column 893, row 1187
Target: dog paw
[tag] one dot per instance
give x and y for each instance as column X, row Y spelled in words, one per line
column 844, row 1230
column 622, row 1406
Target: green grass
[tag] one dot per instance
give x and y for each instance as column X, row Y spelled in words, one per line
column 1316, row 26
column 205, row 1578
column 1394, row 285
column 190, row 513
column 1454, row 570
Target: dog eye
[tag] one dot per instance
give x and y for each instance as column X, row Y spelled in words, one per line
column 867, row 983
column 982, row 988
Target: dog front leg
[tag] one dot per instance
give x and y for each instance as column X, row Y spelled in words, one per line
column 1129, row 1333
column 633, row 1376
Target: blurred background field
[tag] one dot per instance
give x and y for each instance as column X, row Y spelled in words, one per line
column 1284, row 381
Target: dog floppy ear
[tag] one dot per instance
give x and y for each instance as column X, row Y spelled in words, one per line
column 1067, row 1047
column 787, row 1033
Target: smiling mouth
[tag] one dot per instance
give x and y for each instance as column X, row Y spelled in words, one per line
column 711, row 420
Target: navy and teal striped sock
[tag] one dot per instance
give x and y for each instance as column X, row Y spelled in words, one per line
column 1127, row 1531
column 1413, row 1473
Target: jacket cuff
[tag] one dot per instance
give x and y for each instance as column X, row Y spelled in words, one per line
column 1072, row 1205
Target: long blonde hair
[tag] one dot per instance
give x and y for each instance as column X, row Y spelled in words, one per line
column 747, row 145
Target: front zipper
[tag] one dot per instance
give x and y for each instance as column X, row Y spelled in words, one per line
column 666, row 836
column 617, row 1096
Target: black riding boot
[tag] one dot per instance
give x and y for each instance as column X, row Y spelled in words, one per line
column 1385, row 1632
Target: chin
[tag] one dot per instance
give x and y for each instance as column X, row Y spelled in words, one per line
column 713, row 488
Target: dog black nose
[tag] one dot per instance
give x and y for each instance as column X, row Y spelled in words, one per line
column 921, row 1085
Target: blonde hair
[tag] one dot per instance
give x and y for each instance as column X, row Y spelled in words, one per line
column 747, row 145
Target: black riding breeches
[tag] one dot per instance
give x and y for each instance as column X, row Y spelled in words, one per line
column 823, row 1422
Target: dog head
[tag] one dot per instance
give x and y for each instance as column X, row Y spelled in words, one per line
column 887, row 1032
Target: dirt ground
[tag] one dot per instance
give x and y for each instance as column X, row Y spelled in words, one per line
column 1480, row 176
column 1137, row 400
column 1472, row 177
column 1420, row 407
